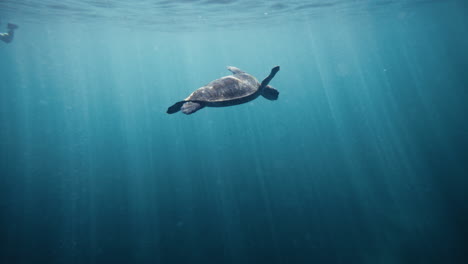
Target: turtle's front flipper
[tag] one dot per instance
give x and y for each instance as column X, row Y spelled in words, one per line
column 191, row 107
column 268, row 79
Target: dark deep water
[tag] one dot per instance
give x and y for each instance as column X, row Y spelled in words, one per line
column 363, row 159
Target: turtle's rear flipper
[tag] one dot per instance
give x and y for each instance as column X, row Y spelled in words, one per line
column 191, row 107
column 12, row 26
column 175, row 107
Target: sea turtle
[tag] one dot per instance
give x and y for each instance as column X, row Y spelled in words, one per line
column 235, row 89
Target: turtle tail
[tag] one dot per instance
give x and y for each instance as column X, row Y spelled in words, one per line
column 175, row 107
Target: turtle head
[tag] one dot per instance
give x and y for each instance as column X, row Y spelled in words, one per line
column 270, row 93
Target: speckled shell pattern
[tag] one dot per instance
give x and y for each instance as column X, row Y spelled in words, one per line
column 226, row 89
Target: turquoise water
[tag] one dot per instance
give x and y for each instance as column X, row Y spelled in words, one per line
column 362, row 159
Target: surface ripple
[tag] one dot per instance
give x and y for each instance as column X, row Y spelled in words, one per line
column 173, row 15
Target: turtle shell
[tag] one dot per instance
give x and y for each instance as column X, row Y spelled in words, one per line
column 226, row 89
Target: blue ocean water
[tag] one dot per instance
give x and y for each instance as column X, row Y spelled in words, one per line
column 362, row 159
